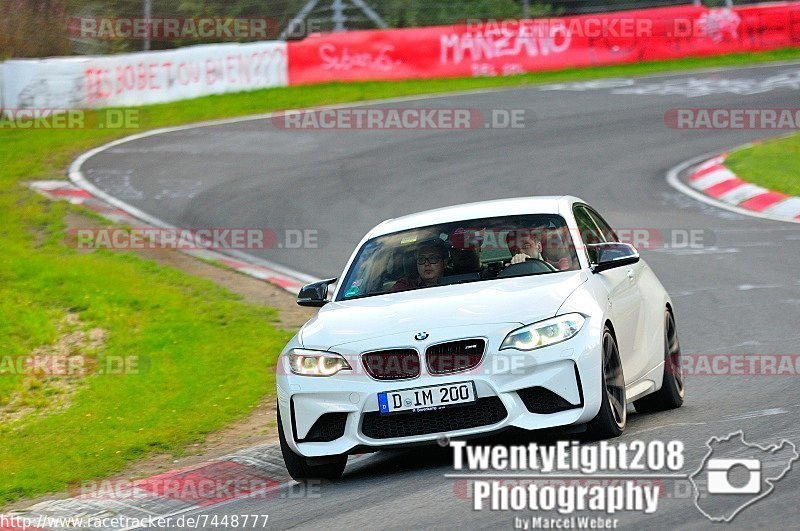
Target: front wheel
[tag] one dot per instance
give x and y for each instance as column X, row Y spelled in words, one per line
column 610, row 420
column 302, row 468
column 672, row 391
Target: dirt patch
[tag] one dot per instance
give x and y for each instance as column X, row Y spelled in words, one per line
column 52, row 374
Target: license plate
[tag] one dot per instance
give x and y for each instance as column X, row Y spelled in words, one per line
column 426, row 398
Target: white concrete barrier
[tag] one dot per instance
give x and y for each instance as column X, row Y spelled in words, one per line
column 142, row 78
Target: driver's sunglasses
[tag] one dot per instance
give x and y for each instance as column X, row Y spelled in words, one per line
column 432, row 260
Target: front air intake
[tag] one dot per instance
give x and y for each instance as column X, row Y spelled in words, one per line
column 544, row 401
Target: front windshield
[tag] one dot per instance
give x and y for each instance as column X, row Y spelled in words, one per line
column 459, row 252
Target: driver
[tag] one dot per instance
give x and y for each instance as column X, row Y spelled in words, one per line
column 525, row 244
column 431, row 258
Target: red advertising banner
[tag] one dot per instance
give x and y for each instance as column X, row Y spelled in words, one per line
column 504, row 47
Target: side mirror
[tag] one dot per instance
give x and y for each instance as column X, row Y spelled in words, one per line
column 609, row 255
column 315, row 294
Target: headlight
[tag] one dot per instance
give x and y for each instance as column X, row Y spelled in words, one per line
column 544, row 333
column 316, row 362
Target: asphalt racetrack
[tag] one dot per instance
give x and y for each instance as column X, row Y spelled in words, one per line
column 606, row 142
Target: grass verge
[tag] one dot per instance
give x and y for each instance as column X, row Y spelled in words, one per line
column 773, row 164
column 202, row 356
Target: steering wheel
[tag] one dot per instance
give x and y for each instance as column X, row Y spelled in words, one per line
column 531, row 266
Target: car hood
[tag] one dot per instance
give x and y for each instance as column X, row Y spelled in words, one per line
column 522, row 300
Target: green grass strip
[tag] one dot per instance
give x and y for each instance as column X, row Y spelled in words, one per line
column 773, row 164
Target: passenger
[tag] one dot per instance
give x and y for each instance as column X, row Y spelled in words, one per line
column 431, row 260
column 556, row 252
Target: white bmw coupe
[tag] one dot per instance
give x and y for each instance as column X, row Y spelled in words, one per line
column 468, row 320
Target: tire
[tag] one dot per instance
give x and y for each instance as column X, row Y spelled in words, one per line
column 672, row 391
column 302, row 469
column 611, row 419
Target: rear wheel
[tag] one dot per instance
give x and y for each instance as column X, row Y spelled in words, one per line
column 672, row 391
column 610, row 420
column 302, row 468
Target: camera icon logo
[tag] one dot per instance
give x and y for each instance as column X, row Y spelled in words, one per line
column 719, row 471
column 735, row 474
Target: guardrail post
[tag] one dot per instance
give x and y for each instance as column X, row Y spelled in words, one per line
column 148, row 13
column 338, row 15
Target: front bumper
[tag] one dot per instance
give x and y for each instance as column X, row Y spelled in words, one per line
column 549, row 387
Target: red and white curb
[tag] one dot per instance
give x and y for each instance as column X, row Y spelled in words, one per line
column 65, row 190
column 254, row 473
column 717, row 182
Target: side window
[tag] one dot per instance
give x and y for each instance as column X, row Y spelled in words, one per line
column 586, row 226
column 605, row 228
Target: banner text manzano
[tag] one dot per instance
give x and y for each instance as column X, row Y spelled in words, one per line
column 486, row 49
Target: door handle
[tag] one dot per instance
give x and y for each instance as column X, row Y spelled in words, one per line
column 629, row 274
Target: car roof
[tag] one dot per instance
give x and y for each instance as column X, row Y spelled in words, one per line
column 481, row 209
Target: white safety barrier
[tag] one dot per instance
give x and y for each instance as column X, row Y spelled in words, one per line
column 142, row 78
